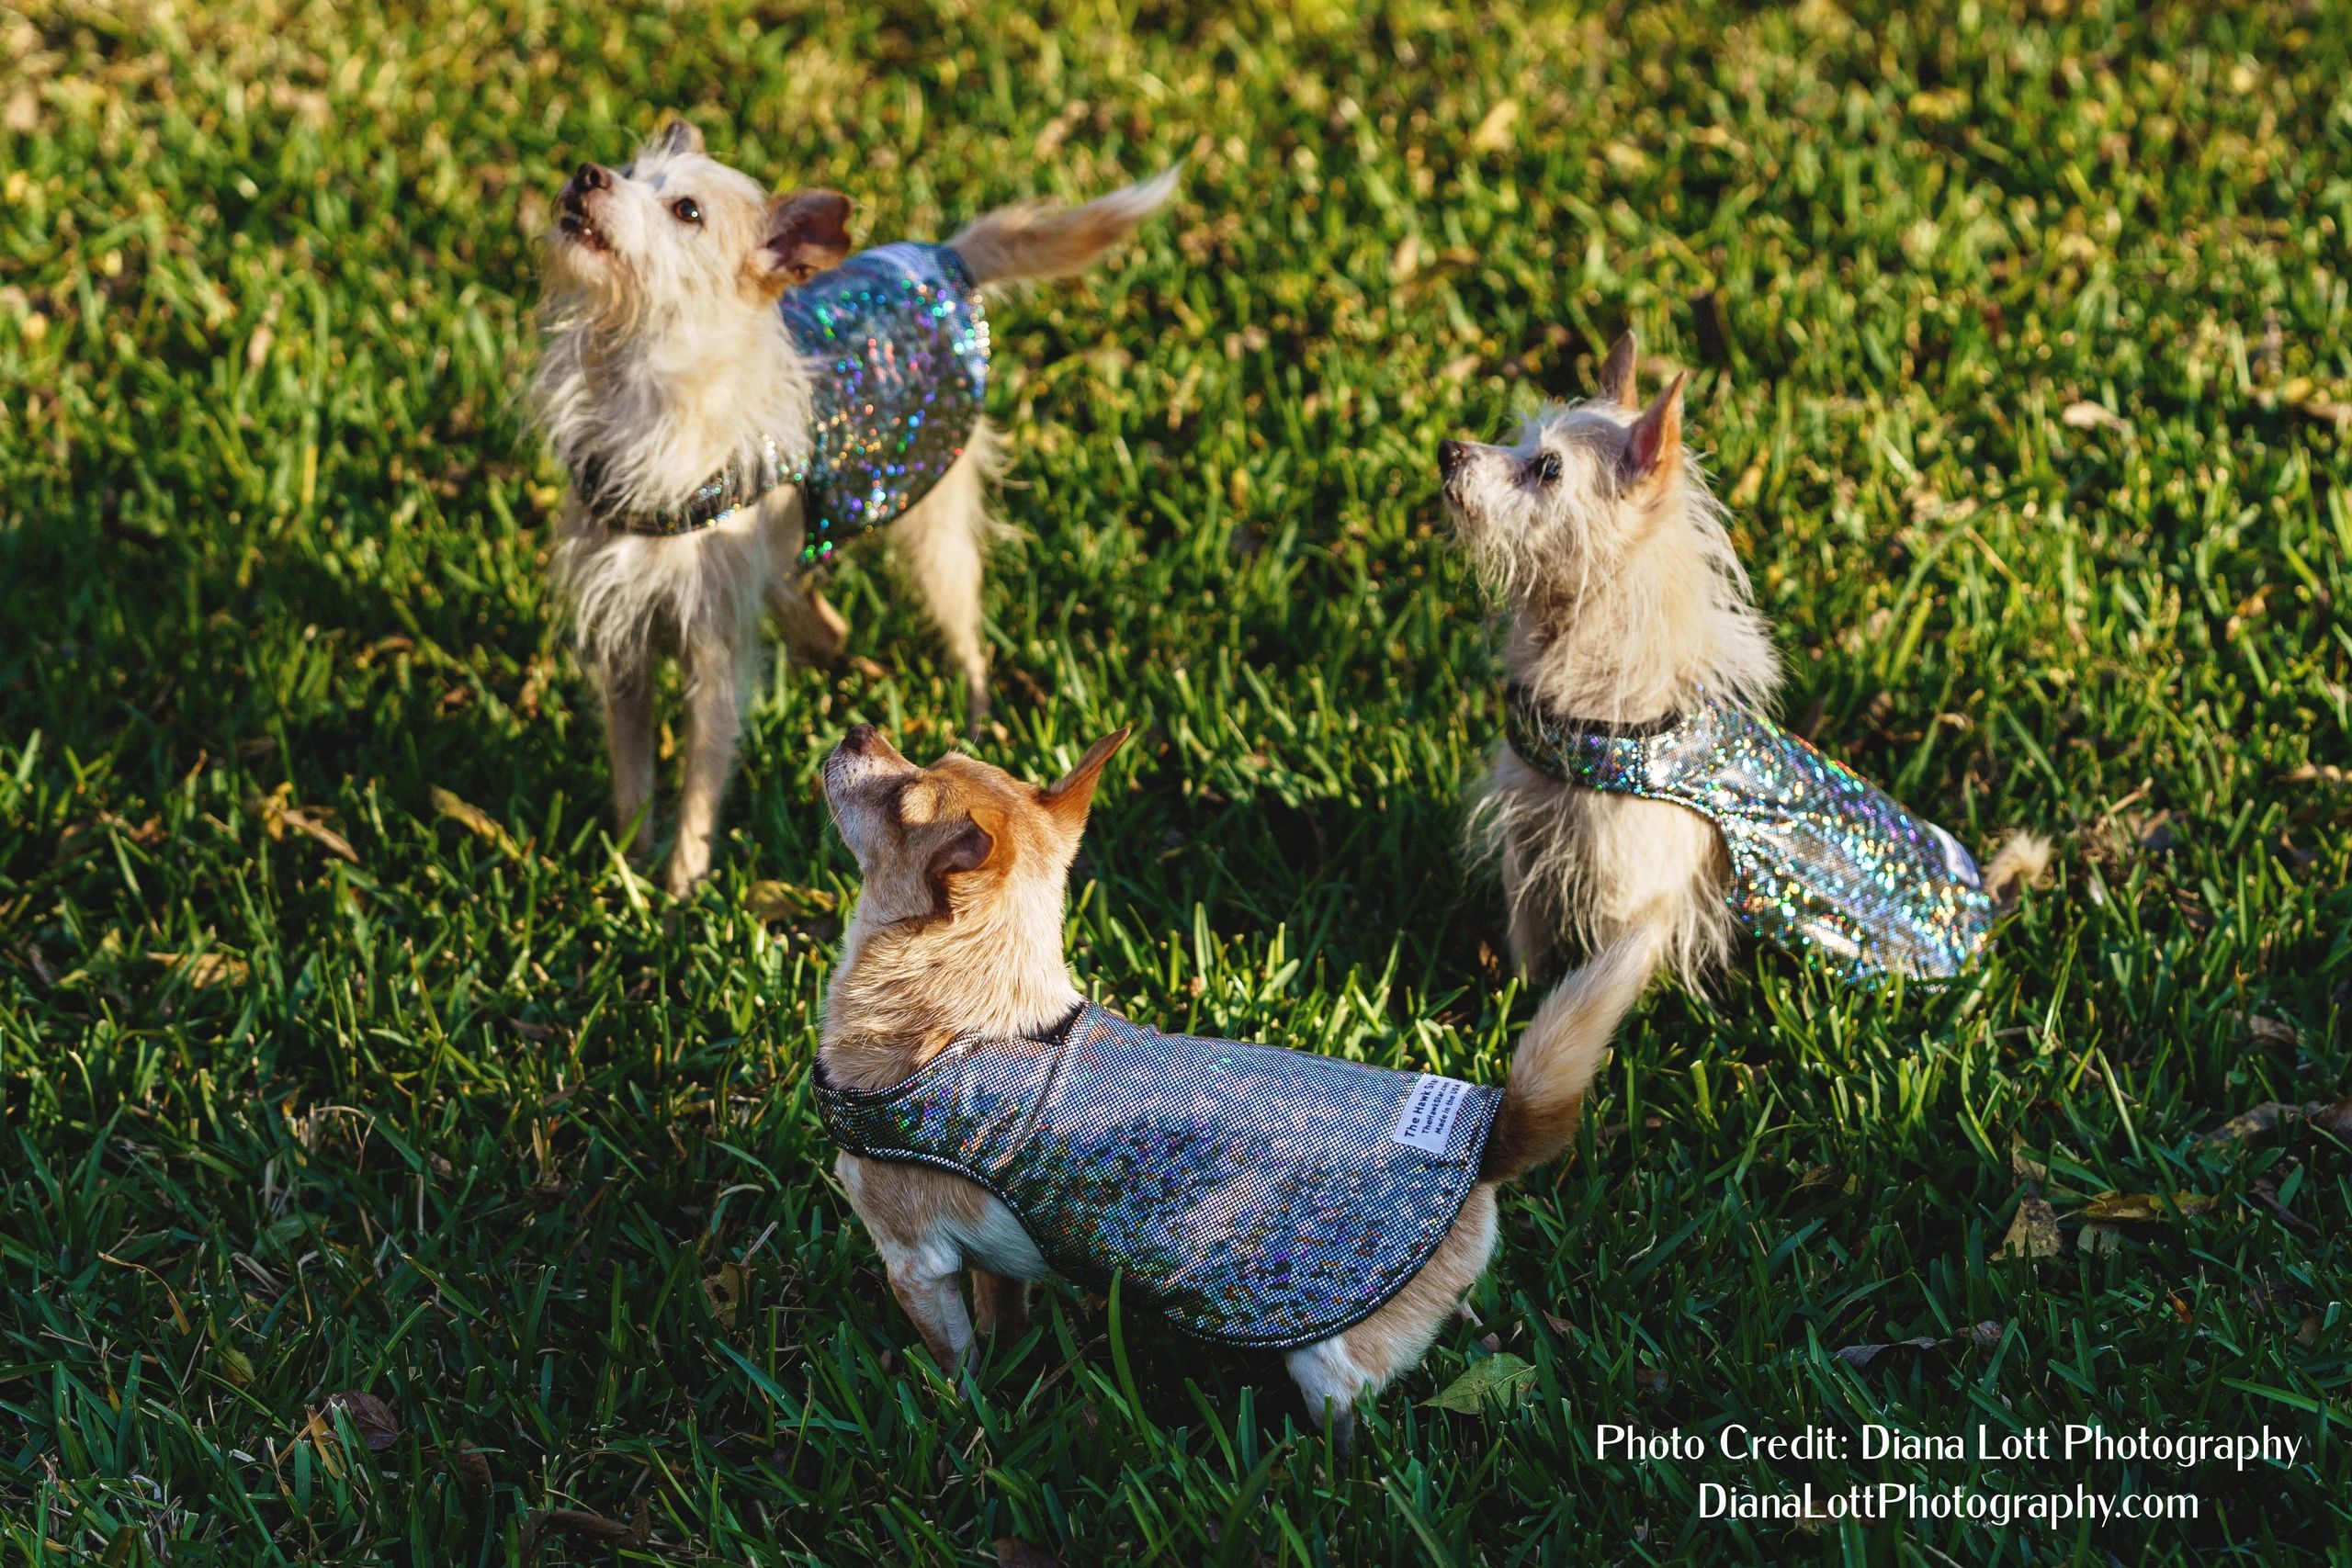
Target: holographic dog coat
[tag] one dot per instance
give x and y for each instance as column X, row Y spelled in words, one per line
column 1257, row 1197
column 898, row 345
column 1818, row 856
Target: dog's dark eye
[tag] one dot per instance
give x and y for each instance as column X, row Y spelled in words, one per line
column 685, row 209
column 1545, row 470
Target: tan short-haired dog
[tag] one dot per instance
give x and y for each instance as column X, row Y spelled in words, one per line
column 734, row 392
column 991, row 1118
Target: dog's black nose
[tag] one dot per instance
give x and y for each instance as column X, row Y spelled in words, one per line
column 1450, row 455
column 590, row 177
column 860, row 740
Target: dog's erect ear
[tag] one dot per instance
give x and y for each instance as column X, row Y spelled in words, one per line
column 678, row 136
column 1653, row 452
column 983, row 843
column 805, row 233
column 1617, row 374
column 1068, row 798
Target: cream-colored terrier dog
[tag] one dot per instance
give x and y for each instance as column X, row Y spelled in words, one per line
column 731, row 407
column 1639, row 785
column 991, row 1118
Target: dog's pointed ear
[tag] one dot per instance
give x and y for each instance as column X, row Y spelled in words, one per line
column 678, row 136
column 1068, row 798
column 805, row 233
column 986, row 842
column 1653, row 453
column 1617, row 373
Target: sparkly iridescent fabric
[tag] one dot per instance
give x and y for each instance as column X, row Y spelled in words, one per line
column 900, row 348
column 898, row 345
column 1259, row 1197
column 1819, row 857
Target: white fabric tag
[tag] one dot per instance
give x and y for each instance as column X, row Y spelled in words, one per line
column 1430, row 1112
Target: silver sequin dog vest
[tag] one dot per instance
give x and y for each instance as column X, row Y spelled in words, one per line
column 898, row 342
column 1259, row 1197
column 1819, row 857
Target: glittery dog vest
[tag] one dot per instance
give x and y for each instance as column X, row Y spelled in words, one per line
column 898, row 345
column 1819, row 857
column 1259, row 1197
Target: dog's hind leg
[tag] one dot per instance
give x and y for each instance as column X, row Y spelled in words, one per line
column 625, row 687
column 718, row 679
column 942, row 544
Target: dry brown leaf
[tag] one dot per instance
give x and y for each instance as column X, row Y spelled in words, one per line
column 728, row 1287
column 2087, row 415
column 2334, row 1117
column 2034, row 1232
column 369, row 1416
column 772, row 903
column 580, row 1522
column 2140, row 1208
column 469, row 1462
column 1494, row 130
column 205, row 970
column 1986, row 1336
column 1014, row 1553
column 2265, row 1031
column 2023, row 1165
column 278, row 814
column 1861, row 1356
column 2095, row 1240
column 2271, row 1115
column 2267, row 1194
column 477, row 821
column 1557, row 1324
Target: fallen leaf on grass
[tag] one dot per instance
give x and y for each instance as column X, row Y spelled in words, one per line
column 1014, row 1553
column 2087, row 415
column 477, row 821
column 2265, row 1031
column 1861, row 1356
column 468, row 1461
column 279, row 816
column 2329, row 1116
column 205, row 970
column 1505, row 1379
column 2267, row 1194
column 2093, row 1239
column 727, row 1288
column 1494, row 130
column 772, row 903
column 2034, row 1232
column 2140, row 1208
column 369, row 1416
column 580, row 1522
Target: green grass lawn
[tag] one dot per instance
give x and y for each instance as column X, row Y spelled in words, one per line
column 339, row 1051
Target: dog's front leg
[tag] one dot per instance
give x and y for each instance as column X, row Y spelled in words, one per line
column 716, row 678
column 625, row 687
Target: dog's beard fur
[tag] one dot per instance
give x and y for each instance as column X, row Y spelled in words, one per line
column 664, row 357
column 1624, row 602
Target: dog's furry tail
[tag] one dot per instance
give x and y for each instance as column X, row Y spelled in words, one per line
column 1552, row 1069
column 1032, row 240
column 2021, row 862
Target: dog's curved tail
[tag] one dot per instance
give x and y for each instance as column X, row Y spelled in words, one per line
column 2021, row 862
column 1033, row 241
column 1554, row 1066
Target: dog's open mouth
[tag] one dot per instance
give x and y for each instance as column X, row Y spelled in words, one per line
column 575, row 225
